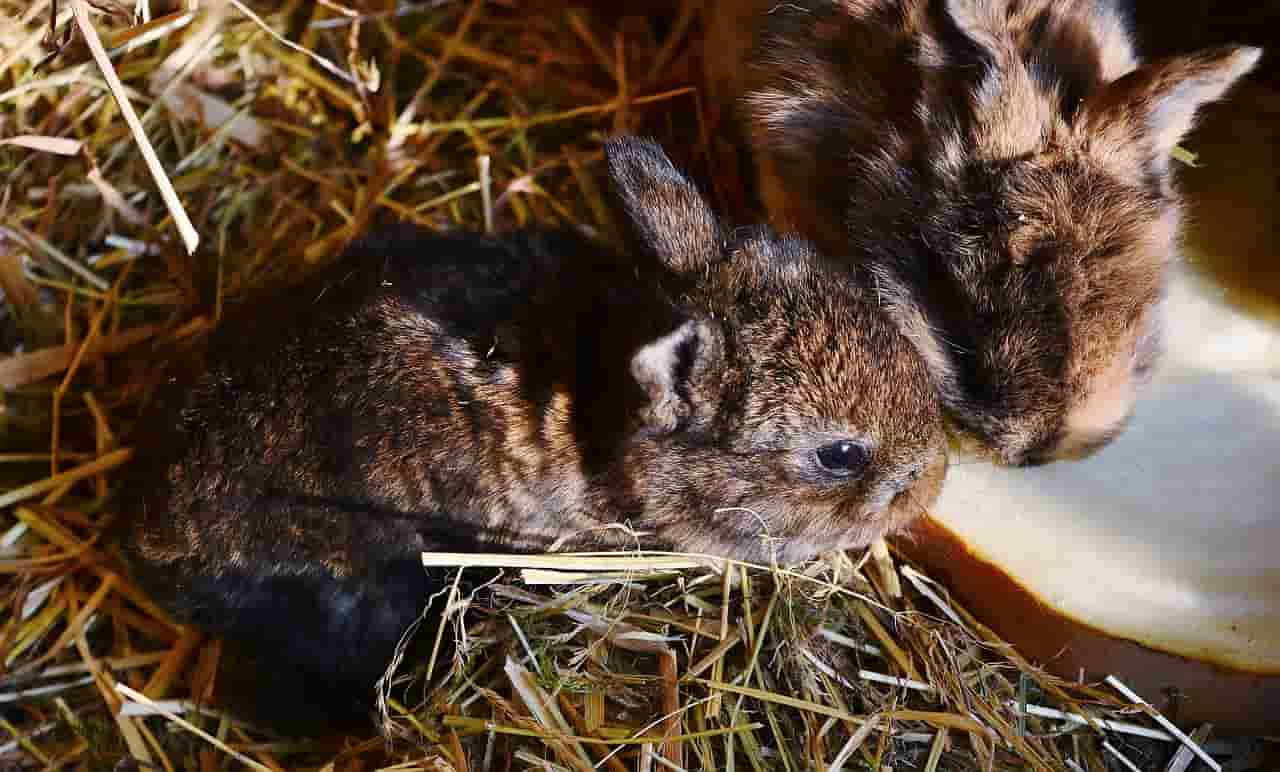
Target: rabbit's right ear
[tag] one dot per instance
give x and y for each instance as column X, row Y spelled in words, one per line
column 680, row 372
column 667, row 213
column 1152, row 108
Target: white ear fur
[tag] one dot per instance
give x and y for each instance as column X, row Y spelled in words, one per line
column 658, row 366
column 1174, row 111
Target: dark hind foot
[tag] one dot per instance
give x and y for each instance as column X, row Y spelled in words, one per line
column 303, row 654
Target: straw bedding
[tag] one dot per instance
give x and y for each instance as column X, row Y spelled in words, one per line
column 277, row 132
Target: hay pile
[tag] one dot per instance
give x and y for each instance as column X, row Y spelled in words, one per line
column 279, row 131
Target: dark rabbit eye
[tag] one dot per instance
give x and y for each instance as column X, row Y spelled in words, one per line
column 844, row 458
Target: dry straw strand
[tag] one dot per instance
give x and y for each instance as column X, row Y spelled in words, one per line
column 188, row 231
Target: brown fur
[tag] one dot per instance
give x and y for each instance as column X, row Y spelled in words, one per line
column 1003, row 167
column 462, row 393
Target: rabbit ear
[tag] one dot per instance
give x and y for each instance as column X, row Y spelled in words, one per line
column 677, row 371
column 1153, row 107
column 667, row 213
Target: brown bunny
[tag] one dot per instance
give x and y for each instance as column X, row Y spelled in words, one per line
column 713, row 392
column 1002, row 166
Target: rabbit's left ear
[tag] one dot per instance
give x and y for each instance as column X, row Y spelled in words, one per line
column 667, row 213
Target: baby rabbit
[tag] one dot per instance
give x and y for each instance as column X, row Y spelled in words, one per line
column 714, row 392
column 1002, row 167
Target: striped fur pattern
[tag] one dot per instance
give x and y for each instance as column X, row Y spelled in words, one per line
column 521, row 393
column 1003, row 168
